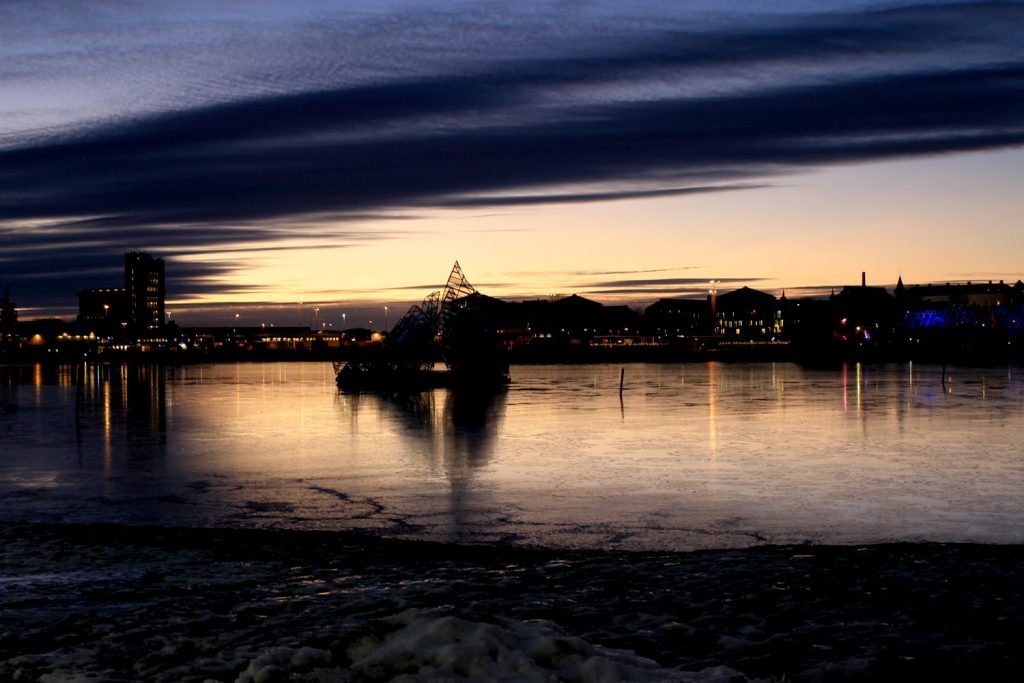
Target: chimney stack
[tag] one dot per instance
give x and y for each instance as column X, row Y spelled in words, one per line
column 863, row 279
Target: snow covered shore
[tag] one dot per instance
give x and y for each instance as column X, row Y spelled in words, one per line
column 116, row 603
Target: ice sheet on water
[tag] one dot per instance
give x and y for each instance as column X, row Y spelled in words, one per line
column 700, row 456
column 280, row 662
column 421, row 645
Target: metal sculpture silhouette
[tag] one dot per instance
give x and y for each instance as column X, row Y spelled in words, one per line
column 455, row 325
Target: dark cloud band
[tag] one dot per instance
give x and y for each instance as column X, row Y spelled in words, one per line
column 519, row 132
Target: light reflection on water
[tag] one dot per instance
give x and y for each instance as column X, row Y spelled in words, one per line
column 698, row 455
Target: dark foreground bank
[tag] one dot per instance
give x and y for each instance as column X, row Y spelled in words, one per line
column 128, row 603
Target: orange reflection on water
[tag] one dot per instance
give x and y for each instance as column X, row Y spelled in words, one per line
column 38, row 382
column 713, row 409
column 107, row 449
column 858, row 388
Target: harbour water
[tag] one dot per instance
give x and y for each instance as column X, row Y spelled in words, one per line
column 691, row 456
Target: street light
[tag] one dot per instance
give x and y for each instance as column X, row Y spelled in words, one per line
column 385, row 318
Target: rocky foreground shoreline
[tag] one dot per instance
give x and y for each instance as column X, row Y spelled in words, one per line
column 115, row 603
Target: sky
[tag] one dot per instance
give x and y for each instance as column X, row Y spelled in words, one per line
column 313, row 162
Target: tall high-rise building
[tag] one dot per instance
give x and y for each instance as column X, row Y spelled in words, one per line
column 144, row 287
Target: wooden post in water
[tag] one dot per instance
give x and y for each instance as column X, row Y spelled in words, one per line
column 622, row 380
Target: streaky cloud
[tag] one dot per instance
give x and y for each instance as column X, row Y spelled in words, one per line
column 588, row 197
column 731, row 137
column 659, row 111
column 661, row 282
column 593, row 273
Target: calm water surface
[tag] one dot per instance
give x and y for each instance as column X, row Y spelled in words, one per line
column 697, row 455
